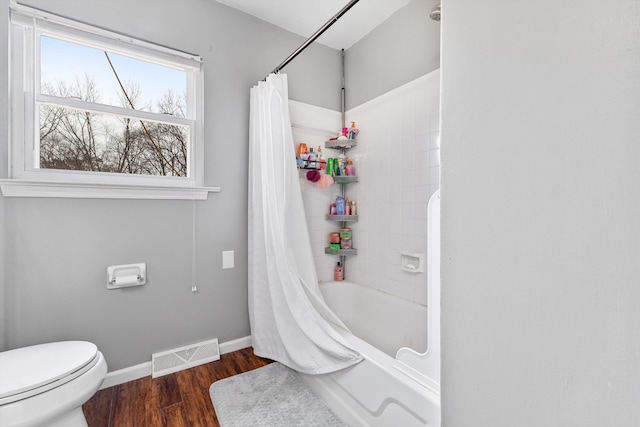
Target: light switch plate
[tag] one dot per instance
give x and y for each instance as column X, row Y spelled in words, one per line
column 227, row 259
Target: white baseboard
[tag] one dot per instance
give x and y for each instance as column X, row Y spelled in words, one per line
column 144, row 369
column 235, row 345
column 126, row 374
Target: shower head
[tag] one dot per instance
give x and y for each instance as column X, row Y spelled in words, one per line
column 435, row 13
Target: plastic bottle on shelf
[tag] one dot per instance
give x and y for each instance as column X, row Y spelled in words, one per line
column 353, row 132
column 353, row 207
column 302, row 149
column 312, row 159
column 338, row 273
column 320, row 163
column 342, row 164
column 303, row 156
column 350, row 169
column 339, row 205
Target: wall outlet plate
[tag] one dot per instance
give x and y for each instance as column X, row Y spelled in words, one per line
column 227, row 259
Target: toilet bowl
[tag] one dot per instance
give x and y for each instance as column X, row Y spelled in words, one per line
column 46, row 384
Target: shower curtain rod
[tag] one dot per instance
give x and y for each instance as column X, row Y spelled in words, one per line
column 315, row 35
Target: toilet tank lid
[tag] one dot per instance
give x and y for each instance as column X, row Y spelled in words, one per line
column 30, row 367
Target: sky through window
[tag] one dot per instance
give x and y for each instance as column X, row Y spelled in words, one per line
column 63, row 61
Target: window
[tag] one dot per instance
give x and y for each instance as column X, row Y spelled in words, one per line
column 92, row 109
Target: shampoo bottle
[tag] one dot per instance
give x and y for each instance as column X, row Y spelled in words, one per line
column 350, row 169
column 312, row 159
column 302, row 149
column 320, row 162
column 332, row 209
column 342, row 165
column 353, row 132
column 340, row 205
column 338, row 274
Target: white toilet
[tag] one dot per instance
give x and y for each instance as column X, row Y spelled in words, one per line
column 46, row 384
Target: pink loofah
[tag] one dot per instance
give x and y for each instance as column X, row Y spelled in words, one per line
column 325, row 181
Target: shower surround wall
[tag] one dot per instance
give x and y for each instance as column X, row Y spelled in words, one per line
column 397, row 161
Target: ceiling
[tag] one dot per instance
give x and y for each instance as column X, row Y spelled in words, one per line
column 305, row 17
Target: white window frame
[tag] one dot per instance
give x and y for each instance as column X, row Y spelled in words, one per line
column 26, row 180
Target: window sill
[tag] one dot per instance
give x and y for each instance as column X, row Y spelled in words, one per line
column 24, row 188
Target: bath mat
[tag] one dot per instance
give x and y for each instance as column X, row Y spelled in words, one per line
column 273, row 395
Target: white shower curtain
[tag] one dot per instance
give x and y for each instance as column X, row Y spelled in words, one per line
column 290, row 322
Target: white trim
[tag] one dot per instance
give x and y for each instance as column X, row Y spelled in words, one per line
column 127, row 374
column 119, row 43
column 29, row 180
column 235, row 345
column 95, row 107
column 144, row 369
column 26, row 188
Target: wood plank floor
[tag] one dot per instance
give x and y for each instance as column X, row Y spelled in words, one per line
column 175, row 400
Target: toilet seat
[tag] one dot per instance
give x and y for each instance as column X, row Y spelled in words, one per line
column 43, row 367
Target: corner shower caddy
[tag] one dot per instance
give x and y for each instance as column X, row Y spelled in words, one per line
column 342, row 145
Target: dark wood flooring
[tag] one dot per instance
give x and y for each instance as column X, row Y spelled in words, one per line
column 175, row 400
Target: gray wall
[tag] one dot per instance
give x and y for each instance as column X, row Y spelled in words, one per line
column 540, row 213
column 56, row 250
column 404, row 47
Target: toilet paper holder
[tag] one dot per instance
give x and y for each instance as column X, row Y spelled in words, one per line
column 124, row 276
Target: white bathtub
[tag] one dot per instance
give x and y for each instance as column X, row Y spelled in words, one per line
column 385, row 321
column 374, row 392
